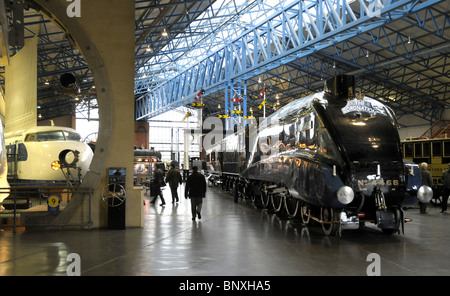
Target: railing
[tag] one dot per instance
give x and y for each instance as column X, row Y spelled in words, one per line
column 440, row 129
column 44, row 205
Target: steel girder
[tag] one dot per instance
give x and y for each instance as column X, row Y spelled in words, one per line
column 203, row 34
column 414, row 69
column 274, row 42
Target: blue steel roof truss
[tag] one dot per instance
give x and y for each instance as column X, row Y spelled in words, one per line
column 277, row 41
column 405, row 66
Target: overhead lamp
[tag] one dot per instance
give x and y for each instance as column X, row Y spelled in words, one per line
column 164, row 33
column 219, row 107
column 46, row 82
column 409, row 39
column 148, row 49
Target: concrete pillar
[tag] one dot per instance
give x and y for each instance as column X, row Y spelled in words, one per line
column 104, row 33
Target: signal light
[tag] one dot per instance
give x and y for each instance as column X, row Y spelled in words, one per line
column 56, row 165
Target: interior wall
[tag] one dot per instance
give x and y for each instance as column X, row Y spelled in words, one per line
column 104, row 34
column 415, row 126
column 141, row 136
column 66, row 121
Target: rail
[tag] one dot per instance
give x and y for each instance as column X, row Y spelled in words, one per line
column 44, row 205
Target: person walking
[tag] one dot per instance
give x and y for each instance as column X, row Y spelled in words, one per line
column 174, row 179
column 195, row 189
column 426, row 180
column 445, row 189
column 158, row 182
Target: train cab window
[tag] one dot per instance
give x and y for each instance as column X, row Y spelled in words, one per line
column 408, row 149
column 70, row 136
column 447, row 149
column 30, row 138
column 52, row 136
column 417, row 149
column 45, row 136
column 426, row 150
column 437, row 149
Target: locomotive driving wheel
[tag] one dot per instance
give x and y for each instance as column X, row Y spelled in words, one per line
column 292, row 205
column 265, row 199
column 304, row 213
column 330, row 220
column 278, row 202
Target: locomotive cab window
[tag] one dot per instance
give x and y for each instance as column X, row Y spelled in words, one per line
column 52, row 136
column 70, row 136
column 417, row 149
column 446, row 148
column 437, row 149
column 426, row 149
column 408, row 148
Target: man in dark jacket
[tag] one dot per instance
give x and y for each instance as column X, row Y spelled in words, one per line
column 195, row 189
column 174, row 178
column 446, row 189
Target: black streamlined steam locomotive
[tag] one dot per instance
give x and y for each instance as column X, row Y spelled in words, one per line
column 330, row 157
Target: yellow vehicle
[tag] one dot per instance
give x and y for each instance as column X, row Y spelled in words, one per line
column 433, row 147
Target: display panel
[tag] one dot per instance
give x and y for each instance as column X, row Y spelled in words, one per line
column 141, row 169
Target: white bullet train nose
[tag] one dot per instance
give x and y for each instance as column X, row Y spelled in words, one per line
column 37, row 148
column 37, row 166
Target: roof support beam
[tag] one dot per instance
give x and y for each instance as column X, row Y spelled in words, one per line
column 274, row 42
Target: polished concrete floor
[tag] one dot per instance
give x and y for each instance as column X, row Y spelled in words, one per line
column 231, row 239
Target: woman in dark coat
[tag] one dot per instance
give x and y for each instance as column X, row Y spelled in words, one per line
column 157, row 183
